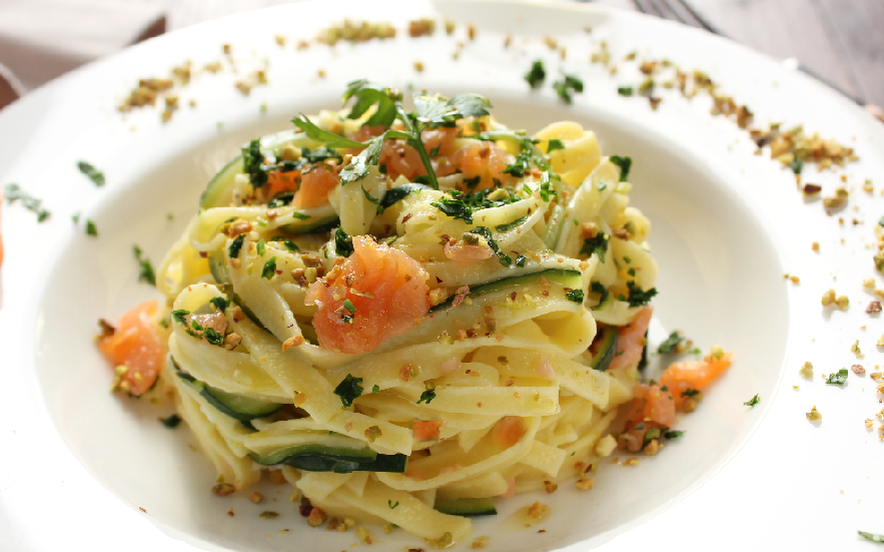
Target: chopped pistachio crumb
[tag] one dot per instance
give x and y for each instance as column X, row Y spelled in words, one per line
column 814, row 415
column 806, row 371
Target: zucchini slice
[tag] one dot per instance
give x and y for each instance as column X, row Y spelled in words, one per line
column 603, row 348
column 466, row 506
column 321, row 458
column 236, row 406
column 562, row 276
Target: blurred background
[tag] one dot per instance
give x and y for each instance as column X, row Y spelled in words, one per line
column 840, row 42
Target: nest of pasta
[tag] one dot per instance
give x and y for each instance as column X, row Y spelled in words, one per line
column 409, row 313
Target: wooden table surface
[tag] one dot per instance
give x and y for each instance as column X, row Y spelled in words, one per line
column 842, row 41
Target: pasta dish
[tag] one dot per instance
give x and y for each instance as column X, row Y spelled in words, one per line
column 405, row 312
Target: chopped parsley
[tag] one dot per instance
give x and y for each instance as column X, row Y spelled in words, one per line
column 94, row 174
column 753, row 401
column 797, row 165
column 214, row 337
column 567, row 85
column 179, row 314
column 597, row 244
column 536, row 75
column 521, row 260
column 145, row 269
column 349, row 390
column 269, row 269
column 172, row 421
column 261, row 247
column 429, row 394
column 575, row 295
column 545, row 188
column 399, row 193
column 671, row 342
column 509, row 226
column 597, row 287
column 625, row 90
column 839, row 378
column 343, row 243
column 300, row 216
column 349, row 306
column 376, row 389
column 690, row 393
column 12, row 192
column 554, row 144
column 462, row 205
column 220, row 303
column 675, row 434
column 871, row 536
column 91, row 229
column 391, row 505
column 483, row 231
column 235, row 246
column 372, row 199
column 253, row 163
column 638, row 296
column 290, row 245
column 625, row 163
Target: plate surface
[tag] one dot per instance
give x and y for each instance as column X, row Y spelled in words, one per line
column 727, row 225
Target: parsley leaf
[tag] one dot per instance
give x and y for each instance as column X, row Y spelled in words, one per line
column 261, row 247
column 343, row 243
column 372, row 199
column 575, row 295
column 349, row 389
column 220, row 303
column 330, row 139
column 213, row 337
column 235, row 246
column 545, row 187
column 179, row 314
column 554, row 144
column 509, row 226
column 638, row 296
column 566, row 85
column 839, row 378
column 597, row 287
column 94, row 174
column 146, row 273
column 690, row 393
column 597, row 244
column 269, row 269
column 253, row 161
column 349, row 306
column 625, row 90
column 871, row 536
column 673, row 434
column 358, row 167
column 536, row 75
column 753, row 401
column 670, row 343
column 797, row 165
column 12, row 192
column 91, row 229
column 172, row 421
column 391, row 505
column 625, row 163
column 428, row 395
column 483, row 231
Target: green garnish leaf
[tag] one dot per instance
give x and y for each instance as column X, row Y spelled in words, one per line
column 690, row 393
column 625, row 90
column 575, row 295
column 253, row 163
column 261, row 247
column 94, row 174
column 546, row 189
column 391, row 505
column 673, row 434
column 12, row 192
column 172, row 421
column 555, row 144
column 670, row 343
column 343, row 243
column 330, row 139
column 269, row 269
column 349, row 390
column 376, row 389
column 179, row 314
column 91, row 229
column 753, row 401
column 214, row 337
column 483, row 231
column 349, row 306
column 638, row 296
column 536, row 75
column 428, row 395
column 290, row 245
column 625, row 163
column 145, row 269
column 509, row 226
column 871, row 536
column 220, row 303
column 597, row 244
column 566, row 85
column 797, row 165
column 839, row 378
column 358, row 167
column 597, row 287
column 300, row 216
column 235, row 246
column 372, row 199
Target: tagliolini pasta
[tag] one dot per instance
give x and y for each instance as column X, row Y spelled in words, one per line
column 409, row 313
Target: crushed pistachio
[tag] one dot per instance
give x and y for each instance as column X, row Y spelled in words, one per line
column 814, row 415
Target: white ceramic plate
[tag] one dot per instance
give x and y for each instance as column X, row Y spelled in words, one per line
column 80, row 465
